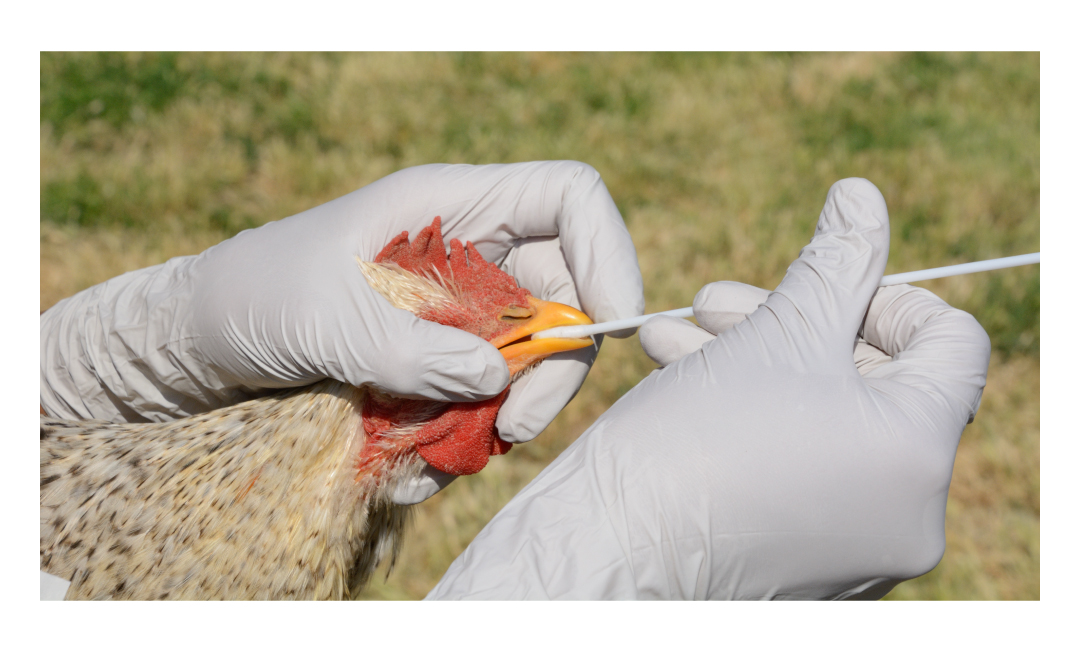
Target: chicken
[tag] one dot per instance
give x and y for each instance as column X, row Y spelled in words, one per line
column 286, row 496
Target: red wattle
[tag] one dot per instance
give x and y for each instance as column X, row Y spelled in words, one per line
column 461, row 440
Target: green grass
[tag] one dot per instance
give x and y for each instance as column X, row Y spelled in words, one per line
column 718, row 162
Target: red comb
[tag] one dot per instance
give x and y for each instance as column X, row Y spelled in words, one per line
column 465, row 266
column 426, row 253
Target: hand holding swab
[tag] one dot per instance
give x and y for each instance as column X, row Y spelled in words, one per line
column 894, row 279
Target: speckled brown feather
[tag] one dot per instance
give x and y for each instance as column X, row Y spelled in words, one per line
column 256, row 501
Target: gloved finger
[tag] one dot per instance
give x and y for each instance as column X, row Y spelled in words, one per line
column 721, row 305
column 935, row 348
column 539, row 395
column 495, row 206
column 820, row 304
column 413, row 358
column 667, row 339
column 426, row 484
column 597, row 247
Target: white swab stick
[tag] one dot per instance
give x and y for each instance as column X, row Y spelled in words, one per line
column 894, row 279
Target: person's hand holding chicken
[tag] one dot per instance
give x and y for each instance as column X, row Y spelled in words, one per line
column 284, row 306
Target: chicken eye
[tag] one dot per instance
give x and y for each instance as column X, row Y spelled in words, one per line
column 515, row 312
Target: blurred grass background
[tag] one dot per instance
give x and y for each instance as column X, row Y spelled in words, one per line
column 719, row 164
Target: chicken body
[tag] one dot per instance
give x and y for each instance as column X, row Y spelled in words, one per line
column 256, row 501
column 286, row 496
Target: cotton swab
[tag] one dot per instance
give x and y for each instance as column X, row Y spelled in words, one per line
column 894, row 279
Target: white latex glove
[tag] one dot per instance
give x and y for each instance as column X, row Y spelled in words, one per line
column 284, row 305
column 762, row 465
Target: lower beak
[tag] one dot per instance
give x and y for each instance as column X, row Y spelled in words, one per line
column 520, row 350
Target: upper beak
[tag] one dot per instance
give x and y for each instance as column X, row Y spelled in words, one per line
column 520, row 350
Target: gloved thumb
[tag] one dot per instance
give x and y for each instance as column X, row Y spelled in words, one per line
column 822, row 299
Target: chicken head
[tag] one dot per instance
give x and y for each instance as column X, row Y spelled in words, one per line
column 464, row 291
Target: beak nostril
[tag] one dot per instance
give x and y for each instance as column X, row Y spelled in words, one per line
column 516, row 312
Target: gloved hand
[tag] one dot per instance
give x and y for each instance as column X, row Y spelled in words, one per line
column 284, row 305
column 762, row 464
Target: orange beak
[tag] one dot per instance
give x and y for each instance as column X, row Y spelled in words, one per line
column 518, row 347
